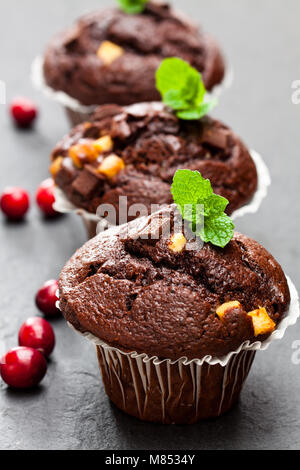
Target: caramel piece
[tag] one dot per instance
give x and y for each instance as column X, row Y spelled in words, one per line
column 225, row 308
column 56, row 166
column 83, row 151
column 262, row 322
column 111, row 166
column 104, row 144
column 177, row 243
column 108, row 52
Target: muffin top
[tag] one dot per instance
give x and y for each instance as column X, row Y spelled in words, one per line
column 111, row 57
column 134, row 289
column 134, row 151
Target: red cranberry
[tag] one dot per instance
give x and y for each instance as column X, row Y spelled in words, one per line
column 45, row 197
column 46, row 299
column 23, row 367
column 38, row 334
column 14, row 203
column 23, row 111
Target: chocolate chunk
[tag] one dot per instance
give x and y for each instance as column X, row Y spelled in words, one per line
column 215, row 137
column 86, row 184
column 66, row 174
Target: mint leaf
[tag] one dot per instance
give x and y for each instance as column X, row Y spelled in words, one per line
column 194, row 89
column 182, row 89
column 208, row 106
column 198, row 205
column 217, row 230
column 189, row 187
column 215, row 205
column 174, row 99
column 172, row 75
column 132, row 6
column 189, row 114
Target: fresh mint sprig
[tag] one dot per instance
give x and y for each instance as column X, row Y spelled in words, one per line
column 182, row 89
column 203, row 209
column 132, row 6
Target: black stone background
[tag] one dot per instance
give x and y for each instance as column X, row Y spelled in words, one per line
column 70, row 409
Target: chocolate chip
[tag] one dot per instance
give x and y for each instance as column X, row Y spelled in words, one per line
column 215, row 137
column 66, row 174
column 86, row 184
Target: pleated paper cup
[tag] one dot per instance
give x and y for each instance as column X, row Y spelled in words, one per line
column 263, row 184
column 78, row 112
column 183, row 391
column 94, row 224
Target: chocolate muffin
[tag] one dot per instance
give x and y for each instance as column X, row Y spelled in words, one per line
column 134, row 151
column 111, row 57
column 139, row 289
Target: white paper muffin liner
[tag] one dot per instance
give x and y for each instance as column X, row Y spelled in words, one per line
column 263, row 183
column 181, row 391
column 63, row 205
column 78, row 112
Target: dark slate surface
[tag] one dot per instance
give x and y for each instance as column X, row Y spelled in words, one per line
column 70, row 409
